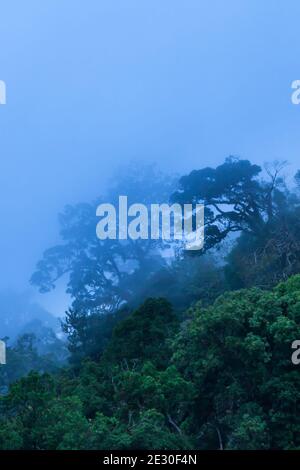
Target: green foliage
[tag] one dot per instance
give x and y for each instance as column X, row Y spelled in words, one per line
column 157, row 376
column 88, row 335
column 143, row 335
column 238, row 355
column 24, row 357
column 223, row 380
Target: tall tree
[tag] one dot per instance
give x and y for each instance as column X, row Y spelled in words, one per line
column 235, row 199
column 104, row 275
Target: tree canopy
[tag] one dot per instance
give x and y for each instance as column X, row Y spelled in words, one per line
column 169, row 351
column 222, row 379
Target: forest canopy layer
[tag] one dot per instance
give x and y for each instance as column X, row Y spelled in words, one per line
column 170, row 350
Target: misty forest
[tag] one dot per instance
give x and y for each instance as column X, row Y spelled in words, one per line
column 162, row 348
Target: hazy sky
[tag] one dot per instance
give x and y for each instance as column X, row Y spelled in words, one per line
column 97, row 82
